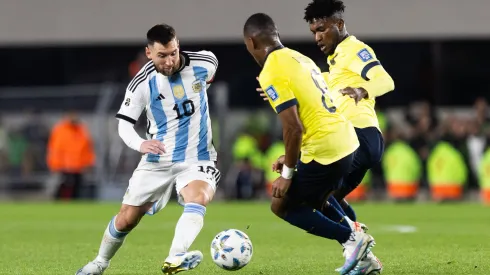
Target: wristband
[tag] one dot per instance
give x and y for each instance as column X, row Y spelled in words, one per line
column 287, row 172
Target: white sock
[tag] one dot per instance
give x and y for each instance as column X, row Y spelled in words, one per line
column 188, row 227
column 111, row 242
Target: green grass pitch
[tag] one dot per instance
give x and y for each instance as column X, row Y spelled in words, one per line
column 49, row 238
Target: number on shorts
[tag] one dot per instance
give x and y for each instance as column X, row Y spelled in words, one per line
column 211, row 171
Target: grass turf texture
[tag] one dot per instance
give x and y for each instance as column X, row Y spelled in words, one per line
column 59, row 238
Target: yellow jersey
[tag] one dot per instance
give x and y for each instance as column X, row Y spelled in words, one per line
column 354, row 64
column 290, row 78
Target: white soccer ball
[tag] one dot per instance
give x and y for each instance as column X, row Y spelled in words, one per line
column 231, row 249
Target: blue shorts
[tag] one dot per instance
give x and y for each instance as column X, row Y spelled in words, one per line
column 368, row 155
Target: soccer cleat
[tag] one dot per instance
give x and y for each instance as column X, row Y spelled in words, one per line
column 355, row 249
column 93, row 268
column 181, row 262
column 368, row 266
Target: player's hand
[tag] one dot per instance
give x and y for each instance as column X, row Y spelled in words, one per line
column 356, row 93
column 280, row 187
column 277, row 165
column 152, row 146
column 261, row 92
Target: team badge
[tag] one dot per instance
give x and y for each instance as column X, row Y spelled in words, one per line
column 364, row 55
column 271, row 92
column 197, row 86
column 178, row 91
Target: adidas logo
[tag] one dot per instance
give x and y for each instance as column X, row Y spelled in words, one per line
column 160, row 97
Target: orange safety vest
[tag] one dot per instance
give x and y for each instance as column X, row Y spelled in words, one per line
column 70, row 148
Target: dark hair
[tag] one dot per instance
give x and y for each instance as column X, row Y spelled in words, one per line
column 260, row 23
column 161, row 33
column 319, row 9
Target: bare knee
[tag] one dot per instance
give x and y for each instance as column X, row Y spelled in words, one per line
column 199, row 192
column 129, row 216
column 278, row 207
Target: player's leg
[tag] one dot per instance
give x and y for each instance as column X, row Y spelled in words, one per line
column 145, row 187
column 309, row 219
column 311, row 184
column 195, row 186
column 368, row 154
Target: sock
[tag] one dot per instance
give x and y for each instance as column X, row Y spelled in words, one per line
column 334, row 212
column 111, row 242
column 188, row 227
column 317, row 224
column 349, row 211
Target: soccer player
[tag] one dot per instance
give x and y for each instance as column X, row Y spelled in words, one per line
column 178, row 150
column 355, row 79
column 311, row 124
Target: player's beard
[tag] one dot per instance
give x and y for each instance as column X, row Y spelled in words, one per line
column 167, row 72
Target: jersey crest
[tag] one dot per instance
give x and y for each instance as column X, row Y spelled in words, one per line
column 364, row 55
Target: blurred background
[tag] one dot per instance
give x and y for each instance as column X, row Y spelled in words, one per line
column 65, row 65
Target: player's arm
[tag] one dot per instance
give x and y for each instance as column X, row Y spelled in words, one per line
column 211, row 66
column 131, row 109
column 378, row 81
column 292, row 131
column 284, row 102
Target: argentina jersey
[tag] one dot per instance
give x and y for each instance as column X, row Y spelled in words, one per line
column 176, row 108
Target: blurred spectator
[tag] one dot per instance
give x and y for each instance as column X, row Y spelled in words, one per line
column 482, row 114
column 247, row 167
column 71, row 153
column 17, row 150
column 36, row 134
column 475, row 144
column 138, row 63
column 484, row 174
column 402, row 167
column 4, row 148
column 447, row 165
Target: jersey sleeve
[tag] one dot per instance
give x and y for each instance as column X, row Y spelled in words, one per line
column 211, row 64
column 278, row 90
column 362, row 61
column 133, row 105
column 365, row 64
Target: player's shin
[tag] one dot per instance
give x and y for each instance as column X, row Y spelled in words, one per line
column 188, row 227
column 315, row 223
column 111, row 242
column 332, row 210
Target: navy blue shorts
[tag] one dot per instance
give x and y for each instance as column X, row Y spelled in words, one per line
column 313, row 181
column 368, row 155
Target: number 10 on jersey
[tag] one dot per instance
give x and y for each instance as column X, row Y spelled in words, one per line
column 185, row 108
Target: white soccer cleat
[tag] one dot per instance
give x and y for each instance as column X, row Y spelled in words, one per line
column 182, row 262
column 355, row 249
column 370, row 265
column 93, row 268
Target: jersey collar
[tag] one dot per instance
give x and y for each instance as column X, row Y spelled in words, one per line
column 338, row 49
column 187, row 61
column 273, row 50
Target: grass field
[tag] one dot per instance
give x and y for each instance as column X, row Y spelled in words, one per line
column 411, row 239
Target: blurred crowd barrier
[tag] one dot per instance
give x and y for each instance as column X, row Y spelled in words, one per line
column 431, row 153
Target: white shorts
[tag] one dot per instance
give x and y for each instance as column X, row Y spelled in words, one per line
column 154, row 182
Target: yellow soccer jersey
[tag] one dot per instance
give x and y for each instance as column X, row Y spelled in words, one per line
column 354, row 64
column 290, row 78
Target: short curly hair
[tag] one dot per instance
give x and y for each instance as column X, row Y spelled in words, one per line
column 319, row 9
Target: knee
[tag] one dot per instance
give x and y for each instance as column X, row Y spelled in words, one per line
column 197, row 192
column 278, row 210
column 126, row 220
column 199, row 197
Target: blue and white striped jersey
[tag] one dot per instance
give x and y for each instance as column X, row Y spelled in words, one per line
column 176, row 108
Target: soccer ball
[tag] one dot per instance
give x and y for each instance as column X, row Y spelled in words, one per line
column 231, row 249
